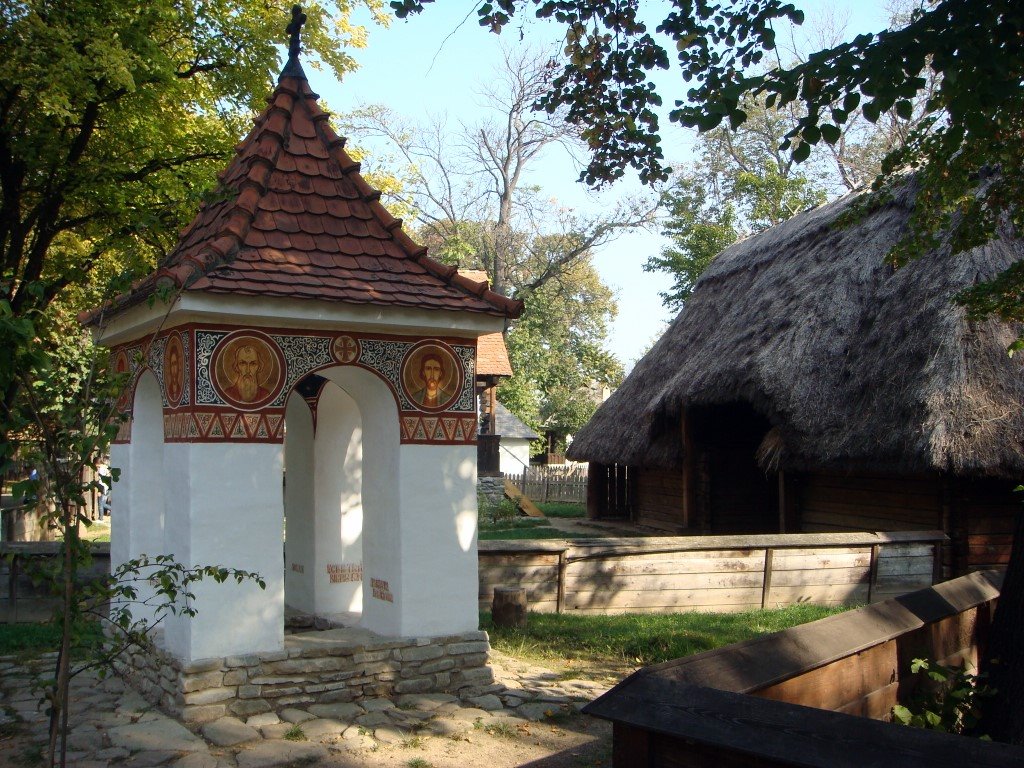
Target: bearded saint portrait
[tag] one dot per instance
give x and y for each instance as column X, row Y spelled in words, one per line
column 245, row 384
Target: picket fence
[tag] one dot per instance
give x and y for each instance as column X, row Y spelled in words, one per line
column 549, row 482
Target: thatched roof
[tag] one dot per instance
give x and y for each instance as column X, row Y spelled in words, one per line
column 853, row 362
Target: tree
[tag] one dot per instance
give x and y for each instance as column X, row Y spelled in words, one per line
column 557, row 352
column 742, row 184
column 474, row 208
column 967, row 151
column 469, row 189
column 114, row 119
column 974, row 116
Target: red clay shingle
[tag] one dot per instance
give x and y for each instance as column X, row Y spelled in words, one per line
column 299, row 221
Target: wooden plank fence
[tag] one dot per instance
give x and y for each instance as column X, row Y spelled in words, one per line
column 710, row 573
column 812, row 695
column 552, row 482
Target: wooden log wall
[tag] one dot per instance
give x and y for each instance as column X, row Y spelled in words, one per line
column 659, row 499
column 986, row 509
column 835, row 502
column 709, row 573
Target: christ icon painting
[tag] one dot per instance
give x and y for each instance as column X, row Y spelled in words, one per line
column 431, row 376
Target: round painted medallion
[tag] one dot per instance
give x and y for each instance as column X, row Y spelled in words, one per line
column 247, row 369
column 345, row 349
column 431, row 376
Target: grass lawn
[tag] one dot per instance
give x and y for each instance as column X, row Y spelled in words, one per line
column 635, row 640
column 562, row 509
column 31, row 638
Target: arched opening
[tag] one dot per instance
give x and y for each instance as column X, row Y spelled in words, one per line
column 337, row 492
column 137, row 525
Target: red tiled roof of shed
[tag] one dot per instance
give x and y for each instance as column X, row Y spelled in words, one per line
column 299, row 221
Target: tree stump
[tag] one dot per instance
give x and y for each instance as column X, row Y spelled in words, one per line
column 508, row 608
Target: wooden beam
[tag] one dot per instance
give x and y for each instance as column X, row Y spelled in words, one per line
column 766, row 585
column 689, row 475
column 560, row 599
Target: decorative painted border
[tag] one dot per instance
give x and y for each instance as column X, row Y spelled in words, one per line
column 205, row 415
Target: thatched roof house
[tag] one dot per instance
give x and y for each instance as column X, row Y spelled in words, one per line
column 801, row 351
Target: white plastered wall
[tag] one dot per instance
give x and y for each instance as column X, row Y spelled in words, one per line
column 230, row 514
column 374, row 405
column 323, row 505
column 338, row 450
column 137, row 512
column 299, row 547
column 437, row 591
column 514, row 455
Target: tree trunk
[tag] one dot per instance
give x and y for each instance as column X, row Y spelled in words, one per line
column 1004, row 663
column 60, row 693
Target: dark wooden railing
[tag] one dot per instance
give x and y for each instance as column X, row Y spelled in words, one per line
column 814, row 696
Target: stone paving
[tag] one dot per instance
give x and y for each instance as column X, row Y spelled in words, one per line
column 112, row 725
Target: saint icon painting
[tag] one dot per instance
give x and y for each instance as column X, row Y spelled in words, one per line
column 121, row 369
column 174, row 369
column 431, row 376
column 247, row 369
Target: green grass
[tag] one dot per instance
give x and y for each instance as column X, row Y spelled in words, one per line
column 28, row 638
column 295, row 733
column 639, row 640
column 562, row 509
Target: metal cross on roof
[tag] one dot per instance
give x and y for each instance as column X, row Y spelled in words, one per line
column 295, row 30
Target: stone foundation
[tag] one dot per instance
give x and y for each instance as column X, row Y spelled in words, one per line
column 338, row 665
column 491, row 488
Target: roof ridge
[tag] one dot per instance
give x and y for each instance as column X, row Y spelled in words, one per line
column 220, row 250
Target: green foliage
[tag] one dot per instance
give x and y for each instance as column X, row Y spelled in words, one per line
column 525, row 528
column 114, row 119
column 295, row 733
column 948, row 698
column 557, row 351
column 35, row 638
column 496, row 512
column 963, row 57
column 640, row 639
column 741, row 186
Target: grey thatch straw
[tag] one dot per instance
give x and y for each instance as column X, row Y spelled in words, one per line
column 852, row 361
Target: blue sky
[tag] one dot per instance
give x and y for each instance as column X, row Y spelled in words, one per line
column 434, row 64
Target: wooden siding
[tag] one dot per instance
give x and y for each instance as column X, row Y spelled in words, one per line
column 987, row 508
column 712, row 573
column 658, row 502
column 835, row 502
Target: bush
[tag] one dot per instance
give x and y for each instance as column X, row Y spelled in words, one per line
column 947, row 701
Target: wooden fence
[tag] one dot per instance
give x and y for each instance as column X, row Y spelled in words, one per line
column 813, row 695
column 710, row 573
column 553, row 483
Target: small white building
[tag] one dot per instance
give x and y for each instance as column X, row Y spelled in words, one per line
column 304, row 331
column 515, row 441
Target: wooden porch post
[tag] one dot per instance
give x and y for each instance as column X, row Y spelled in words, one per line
column 689, row 491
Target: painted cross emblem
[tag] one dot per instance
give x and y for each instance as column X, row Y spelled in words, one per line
column 345, row 349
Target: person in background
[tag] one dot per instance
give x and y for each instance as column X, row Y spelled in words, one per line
column 103, row 471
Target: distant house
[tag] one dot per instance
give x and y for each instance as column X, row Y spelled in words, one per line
column 515, row 441
column 808, row 386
